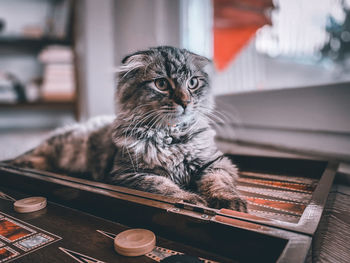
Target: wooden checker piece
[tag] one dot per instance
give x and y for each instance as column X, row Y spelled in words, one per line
column 30, row 204
column 134, row 242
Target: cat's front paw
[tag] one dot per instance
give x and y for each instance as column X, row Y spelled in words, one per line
column 23, row 163
column 228, row 200
column 194, row 199
column 33, row 162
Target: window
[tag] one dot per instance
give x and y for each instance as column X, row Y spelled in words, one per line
column 265, row 44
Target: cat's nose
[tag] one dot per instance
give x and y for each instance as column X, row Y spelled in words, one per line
column 184, row 104
column 182, row 98
column 181, row 108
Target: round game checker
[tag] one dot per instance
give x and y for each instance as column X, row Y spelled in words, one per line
column 134, row 242
column 30, row 204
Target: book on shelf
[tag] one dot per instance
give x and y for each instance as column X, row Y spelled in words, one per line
column 58, row 78
column 7, row 94
column 59, row 19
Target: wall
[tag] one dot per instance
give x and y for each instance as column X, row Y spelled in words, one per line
column 140, row 24
column 109, row 30
column 95, row 50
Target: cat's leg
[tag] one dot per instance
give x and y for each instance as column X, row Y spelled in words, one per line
column 217, row 185
column 79, row 149
column 61, row 151
column 156, row 184
column 37, row 158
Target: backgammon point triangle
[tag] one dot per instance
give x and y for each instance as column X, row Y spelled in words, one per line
column 107, row 234
column 80, row 257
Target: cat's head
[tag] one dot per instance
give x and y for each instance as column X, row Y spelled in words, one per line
column 164, row 86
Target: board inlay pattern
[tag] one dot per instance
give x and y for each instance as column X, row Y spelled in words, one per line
column 19, row 238
column 278, row 197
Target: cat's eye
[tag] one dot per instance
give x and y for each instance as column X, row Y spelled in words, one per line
column 193, row 83
column 162, row 84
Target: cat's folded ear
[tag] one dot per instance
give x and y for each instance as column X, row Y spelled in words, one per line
column 200, row 61
column 131, row 63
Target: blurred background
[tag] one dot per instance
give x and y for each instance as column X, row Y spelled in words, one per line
column 282, row 67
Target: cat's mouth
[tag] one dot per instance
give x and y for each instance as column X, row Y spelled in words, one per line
column 180, row 119
column 179, row 116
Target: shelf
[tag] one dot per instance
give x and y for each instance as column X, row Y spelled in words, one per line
column 43, row 105
column 31, row 43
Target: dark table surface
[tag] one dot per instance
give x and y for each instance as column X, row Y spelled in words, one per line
column 58, row 231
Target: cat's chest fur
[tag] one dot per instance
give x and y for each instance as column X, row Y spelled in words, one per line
column 175, row 155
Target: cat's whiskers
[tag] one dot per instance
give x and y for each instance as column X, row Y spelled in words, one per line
column 156, row 111
column 138, row 125
column 132, row 163
column 165, row 117
column 228, row 118
column 162, row 110
column 135, row 116
column 126, row 135
column 153, row 114
column 226, row 121
column 158, row 125
column 232, row 112
column 156, row 119
column 208, row 118
column 148, row 115
column 139, row 120
column 222, row 127
column 211, row 119
column 211, row 115
column 193, row 126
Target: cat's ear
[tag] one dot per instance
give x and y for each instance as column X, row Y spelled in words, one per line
column 200, row 61
column 131, row 63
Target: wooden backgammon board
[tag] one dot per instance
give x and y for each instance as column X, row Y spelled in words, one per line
column 286, row 198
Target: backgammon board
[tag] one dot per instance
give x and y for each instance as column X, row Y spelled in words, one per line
column 285, row 198
column 79, row 237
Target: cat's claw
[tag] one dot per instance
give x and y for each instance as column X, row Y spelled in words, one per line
column 228, row 200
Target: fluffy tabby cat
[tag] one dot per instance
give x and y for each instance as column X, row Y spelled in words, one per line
column 160, row 141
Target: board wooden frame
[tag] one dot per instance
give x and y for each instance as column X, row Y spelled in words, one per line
column 180, row 221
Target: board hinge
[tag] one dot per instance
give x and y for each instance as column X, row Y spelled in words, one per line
column 206, row 212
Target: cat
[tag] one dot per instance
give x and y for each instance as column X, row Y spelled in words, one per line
column 160, row 141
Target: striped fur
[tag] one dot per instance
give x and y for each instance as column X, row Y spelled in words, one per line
column 161, row 140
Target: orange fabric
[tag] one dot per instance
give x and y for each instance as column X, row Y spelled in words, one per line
column 228, row 42
column 235, row 23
